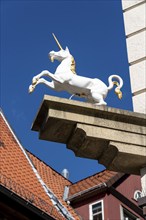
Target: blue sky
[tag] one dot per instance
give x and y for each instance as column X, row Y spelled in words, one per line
column 94, row 33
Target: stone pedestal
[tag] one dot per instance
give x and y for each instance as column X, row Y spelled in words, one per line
column 116, row 138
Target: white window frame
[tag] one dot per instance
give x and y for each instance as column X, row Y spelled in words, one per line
column 135, row 194
column 122, row 208
column 90, row 209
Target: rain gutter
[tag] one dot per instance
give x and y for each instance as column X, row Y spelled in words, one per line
column 26, row 204
column 86, row 191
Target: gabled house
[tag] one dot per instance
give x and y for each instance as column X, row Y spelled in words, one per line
column 107, row 195
column 30, row 189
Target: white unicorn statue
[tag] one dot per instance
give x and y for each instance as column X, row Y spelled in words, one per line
column 66, row 79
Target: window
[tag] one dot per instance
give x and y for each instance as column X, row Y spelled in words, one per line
column 127, row 215
column 96, row 211
column 137, row 195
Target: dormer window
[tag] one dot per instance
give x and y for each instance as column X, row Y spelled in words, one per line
column 96, row 211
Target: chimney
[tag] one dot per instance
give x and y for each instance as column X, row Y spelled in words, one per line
column 65, row 173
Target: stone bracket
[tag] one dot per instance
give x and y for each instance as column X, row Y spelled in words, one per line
column 116, row 138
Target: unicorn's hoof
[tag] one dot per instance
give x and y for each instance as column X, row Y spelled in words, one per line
column 101, row 103
column 34, row 81
column 31, row 89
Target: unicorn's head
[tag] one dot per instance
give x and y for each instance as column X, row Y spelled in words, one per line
column 60, row 55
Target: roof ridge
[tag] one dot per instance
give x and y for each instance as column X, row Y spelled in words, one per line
column 60, row 200
column 27, row 151
column 12, row 130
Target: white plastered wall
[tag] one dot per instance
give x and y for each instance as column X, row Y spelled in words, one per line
column 134, row 12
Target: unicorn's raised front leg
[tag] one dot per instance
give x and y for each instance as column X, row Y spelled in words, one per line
column 37, row 77
column 49, row 84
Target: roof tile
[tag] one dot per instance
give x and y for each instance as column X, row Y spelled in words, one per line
column 89, row 182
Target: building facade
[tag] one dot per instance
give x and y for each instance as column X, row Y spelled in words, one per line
column 112, row 197
column 134, row 13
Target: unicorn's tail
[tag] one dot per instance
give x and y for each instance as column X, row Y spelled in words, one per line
column 119, row 84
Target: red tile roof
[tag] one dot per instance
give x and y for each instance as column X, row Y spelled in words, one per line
column 17, row 174
column 102, row 179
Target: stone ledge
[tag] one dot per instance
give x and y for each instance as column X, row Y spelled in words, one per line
column 114, row 137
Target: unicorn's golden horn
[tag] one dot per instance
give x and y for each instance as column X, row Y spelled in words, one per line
column 57, row 42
